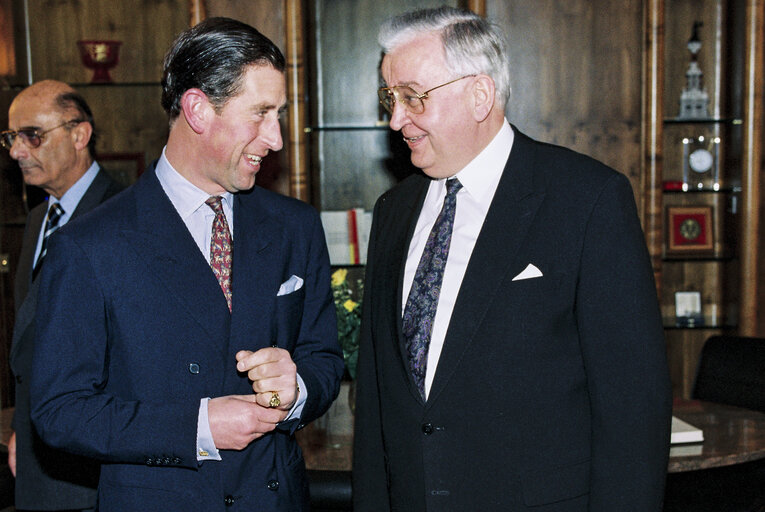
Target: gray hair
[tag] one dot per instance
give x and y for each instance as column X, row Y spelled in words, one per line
column 472, row 44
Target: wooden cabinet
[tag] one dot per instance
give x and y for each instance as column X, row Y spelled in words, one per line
column 724, row 269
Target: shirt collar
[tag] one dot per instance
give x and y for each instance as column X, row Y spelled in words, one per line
column 481, row 176
column 185, row 196
column 72, row 197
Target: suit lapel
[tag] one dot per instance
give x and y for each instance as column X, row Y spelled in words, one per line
column 256, row 271
column 159, row 236
column 396, row 240
column 26, row 258
column 510, row 215
column 94, row 195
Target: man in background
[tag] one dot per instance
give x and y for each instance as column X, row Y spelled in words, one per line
column 52, row 138
column 189, row 329
column 512, row 354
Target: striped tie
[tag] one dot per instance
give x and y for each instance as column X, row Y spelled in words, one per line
column 51, row 224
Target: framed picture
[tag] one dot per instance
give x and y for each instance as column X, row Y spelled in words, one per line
column 123, row 167
column 689, row 230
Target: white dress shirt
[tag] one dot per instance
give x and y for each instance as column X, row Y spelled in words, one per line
column 479, row 183
column 189, row 202
column 68, row 202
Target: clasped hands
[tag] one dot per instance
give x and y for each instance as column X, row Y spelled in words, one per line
column 238, row 420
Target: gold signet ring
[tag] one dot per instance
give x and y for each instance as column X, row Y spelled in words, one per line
column 275, row 401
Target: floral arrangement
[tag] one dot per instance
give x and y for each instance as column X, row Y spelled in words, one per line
column 348, row 317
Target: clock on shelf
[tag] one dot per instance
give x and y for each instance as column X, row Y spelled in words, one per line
column 701, row 163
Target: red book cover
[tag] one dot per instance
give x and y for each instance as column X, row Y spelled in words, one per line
column 353, row 237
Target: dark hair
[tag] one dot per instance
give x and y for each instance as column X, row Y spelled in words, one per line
column 213, row 56
column 73, row 101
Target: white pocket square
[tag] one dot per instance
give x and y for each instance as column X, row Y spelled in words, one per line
column 292, row 284
column 528, row 273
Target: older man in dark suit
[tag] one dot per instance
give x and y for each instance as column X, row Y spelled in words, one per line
column 512, row 353
column 191, row 326
column 52, row 137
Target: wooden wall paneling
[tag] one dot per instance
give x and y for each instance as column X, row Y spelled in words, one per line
column 268, row 16
column 752, row 167
column 576, row 68
column 128, row 120
column 146, row 28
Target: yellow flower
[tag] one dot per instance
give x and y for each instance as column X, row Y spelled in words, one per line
column 338, row 277
column 350, row 305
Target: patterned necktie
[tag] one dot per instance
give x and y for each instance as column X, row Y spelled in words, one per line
column 51, row 224
column 422, row 302
column 220, row 248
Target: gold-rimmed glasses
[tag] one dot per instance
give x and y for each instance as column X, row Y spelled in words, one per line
column 32, row 137
column 408, row 97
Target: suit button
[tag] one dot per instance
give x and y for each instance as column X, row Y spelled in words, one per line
column 176, row 460
column 273, row 485
column 427, row 429
column 228, row 500
column 194, row 368
column 166, row 461
column 19, row 380
column 149, row 461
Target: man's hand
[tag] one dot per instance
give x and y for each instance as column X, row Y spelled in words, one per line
column 270, row 370
column 237, row 420
column 12, row 453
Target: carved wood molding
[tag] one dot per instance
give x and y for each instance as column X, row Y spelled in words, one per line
column 750, row 171
column 296, row 87
column 197, row 11
column 652, row 132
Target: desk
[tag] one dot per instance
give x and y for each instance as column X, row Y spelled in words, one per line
column 731, row 436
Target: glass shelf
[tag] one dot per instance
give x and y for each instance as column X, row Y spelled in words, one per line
column 82, row 85
column 706, row 120
column 721, row 190
column 671, row 323
column 342, row 128
column 698, row 259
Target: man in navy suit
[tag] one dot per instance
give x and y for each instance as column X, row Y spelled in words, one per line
column 512, row 354
column 188, row 381
column 52, row 137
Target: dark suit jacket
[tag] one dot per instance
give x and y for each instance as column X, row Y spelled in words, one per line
column 552, row 393
column 46, row 478
column 139, row 332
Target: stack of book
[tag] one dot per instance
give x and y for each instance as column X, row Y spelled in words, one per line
column 347, row 233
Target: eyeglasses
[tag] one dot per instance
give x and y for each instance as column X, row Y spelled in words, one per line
column 32, row 137
column 408, row 97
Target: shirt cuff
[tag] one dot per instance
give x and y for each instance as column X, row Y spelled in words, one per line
column 297, row 407
column 206, row 449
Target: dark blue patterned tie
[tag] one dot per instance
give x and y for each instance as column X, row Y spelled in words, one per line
column 422, row 302
column 51, row 224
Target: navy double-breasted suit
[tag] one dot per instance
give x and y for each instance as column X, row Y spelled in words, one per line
column 551, row 393
column 139, row 331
